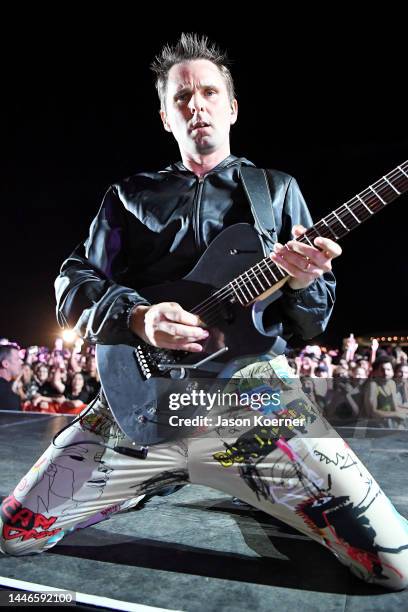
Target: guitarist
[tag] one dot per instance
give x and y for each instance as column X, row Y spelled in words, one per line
column 152, row 228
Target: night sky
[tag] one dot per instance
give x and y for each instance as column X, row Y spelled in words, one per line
column 80, row 116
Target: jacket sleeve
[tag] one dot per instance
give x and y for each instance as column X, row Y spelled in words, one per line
column 304, row 312
column 90, row 296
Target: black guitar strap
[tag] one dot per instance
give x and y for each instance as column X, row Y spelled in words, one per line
column 256, row 187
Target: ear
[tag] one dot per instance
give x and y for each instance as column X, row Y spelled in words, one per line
column 166, row 124
column 234, row 112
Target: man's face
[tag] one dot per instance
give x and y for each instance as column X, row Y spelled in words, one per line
column 13, row 363
column 198, row 110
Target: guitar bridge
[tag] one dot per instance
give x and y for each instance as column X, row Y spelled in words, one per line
column 153, row 361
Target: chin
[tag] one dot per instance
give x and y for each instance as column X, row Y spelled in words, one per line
column 205, row 147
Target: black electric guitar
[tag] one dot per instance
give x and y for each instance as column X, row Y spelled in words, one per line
column 227, row 289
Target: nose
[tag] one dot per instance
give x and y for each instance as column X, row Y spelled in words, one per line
column 196, row 103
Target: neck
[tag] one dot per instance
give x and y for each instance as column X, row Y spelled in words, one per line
column 201, row 164
column 4, row 374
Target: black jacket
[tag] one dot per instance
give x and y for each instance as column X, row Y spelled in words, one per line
column 8, row 399
column 152, row 228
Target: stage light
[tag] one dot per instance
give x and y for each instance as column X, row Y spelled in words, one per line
column 69, row 336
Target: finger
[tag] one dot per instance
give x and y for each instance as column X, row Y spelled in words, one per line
column 298, row 230
column 304, row 264
column 303, row 274
column 183, row 331
column 315, row 255
column 326, row 246
column 329, row 247
column 179, row 344
column 174, row 312
column 190, row 347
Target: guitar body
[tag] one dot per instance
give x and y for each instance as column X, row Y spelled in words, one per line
column 136, row 389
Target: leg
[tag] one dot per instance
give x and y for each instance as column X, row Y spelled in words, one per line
column 73, row 486
column 312, row 481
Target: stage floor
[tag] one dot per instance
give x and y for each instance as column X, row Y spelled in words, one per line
column 196, row 550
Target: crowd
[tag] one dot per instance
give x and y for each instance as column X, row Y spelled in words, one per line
column 350, row 386
column 60, row 380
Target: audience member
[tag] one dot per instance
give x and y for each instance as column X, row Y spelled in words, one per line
column 10, row 369
column 380, row 401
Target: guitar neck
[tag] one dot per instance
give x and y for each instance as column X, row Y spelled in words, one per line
column 259, row 279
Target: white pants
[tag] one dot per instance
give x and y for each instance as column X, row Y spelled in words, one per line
column 314, row 483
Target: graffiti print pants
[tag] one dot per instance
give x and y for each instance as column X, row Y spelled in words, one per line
column 308, row 477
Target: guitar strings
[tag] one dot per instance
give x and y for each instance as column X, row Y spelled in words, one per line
column 333, row 218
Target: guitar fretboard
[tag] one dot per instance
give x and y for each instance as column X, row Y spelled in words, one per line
column 265, row 274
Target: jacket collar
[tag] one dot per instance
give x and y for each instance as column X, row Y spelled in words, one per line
column 229, row 161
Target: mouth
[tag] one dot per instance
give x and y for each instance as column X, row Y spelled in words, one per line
column 198, row 125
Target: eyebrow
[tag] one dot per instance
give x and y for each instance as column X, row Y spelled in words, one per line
column 187, row 88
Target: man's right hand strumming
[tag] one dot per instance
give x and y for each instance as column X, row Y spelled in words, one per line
column 167, row 325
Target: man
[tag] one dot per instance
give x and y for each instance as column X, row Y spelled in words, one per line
column 381, row 401
column 10, row 368
column 152, row 228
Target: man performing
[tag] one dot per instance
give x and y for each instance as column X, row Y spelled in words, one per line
column 152, row 228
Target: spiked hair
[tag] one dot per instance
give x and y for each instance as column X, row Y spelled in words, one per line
column 189, row 47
